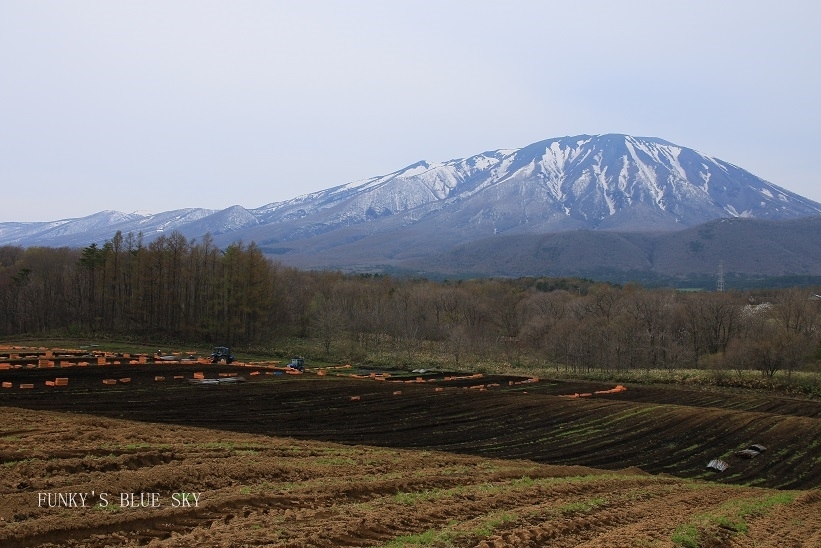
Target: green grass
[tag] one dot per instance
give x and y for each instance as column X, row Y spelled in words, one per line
column 412, row 498
column 415, row 497
column 488, row 525
column 423, row 539
column 582, row 506
column 455, row 533
column 686, row 536
column 524, row 481
column 729, row 517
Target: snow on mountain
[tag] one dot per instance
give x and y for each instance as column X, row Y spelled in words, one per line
column 220, row 222
column 97, row 228
column 594, row 182
column 591, row 182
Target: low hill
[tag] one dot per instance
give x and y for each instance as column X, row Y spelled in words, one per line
column 747, row 248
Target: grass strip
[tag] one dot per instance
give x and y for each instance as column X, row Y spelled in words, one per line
column 730, row 517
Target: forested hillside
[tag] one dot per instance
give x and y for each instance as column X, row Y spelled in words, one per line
column 193, row 291
column 753, row 252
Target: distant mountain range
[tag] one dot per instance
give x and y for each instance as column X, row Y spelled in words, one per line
column 596, row 193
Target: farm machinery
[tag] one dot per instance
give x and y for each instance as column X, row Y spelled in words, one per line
column 222, row 353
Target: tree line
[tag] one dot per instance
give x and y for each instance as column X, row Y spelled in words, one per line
column 193, row 291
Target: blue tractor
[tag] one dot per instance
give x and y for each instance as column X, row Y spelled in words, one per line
column 222, row 353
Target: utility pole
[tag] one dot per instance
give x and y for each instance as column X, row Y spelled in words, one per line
column 720, row 282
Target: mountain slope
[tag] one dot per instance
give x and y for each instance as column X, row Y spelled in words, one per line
column 609, row 182
column 748, row 247
column 592, row 183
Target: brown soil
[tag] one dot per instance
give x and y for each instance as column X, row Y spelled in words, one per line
column 294, row 460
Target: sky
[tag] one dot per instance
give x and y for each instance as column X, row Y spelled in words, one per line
column 157, row 105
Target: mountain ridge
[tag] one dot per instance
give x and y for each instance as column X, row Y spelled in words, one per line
column 610, row 182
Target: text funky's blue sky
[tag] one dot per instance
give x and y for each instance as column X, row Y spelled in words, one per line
column 162, row 105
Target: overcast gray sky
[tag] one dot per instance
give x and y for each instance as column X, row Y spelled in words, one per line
column 160, row 105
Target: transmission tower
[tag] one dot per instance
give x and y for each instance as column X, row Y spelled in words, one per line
column 720, row 282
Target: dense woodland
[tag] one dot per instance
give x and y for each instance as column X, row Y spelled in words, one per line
column 193, row 291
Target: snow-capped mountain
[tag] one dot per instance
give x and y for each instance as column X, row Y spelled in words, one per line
column 599, row 182
column 595, row 182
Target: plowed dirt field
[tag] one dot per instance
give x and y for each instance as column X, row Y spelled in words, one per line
column 307, row 460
